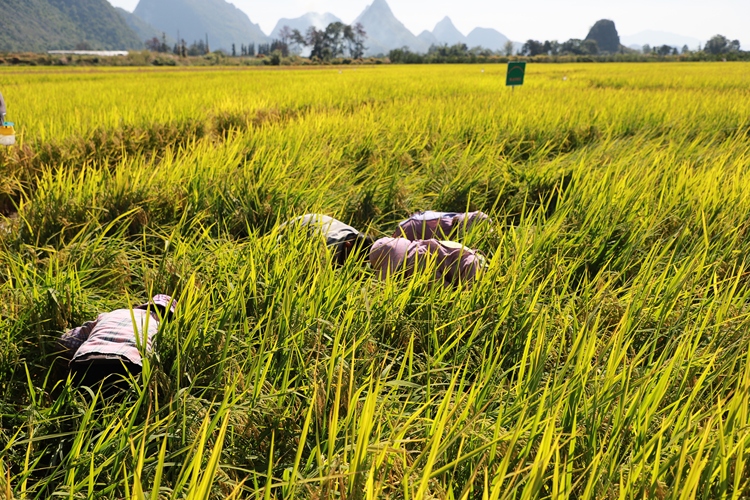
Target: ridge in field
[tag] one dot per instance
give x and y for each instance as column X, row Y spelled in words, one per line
column 222, row 22
column 41, row 25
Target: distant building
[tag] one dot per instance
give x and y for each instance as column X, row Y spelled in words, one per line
column 101, row 53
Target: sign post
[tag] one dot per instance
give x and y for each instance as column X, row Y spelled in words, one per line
column 516, row 74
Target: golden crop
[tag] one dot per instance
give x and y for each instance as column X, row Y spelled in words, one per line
column 605, row 352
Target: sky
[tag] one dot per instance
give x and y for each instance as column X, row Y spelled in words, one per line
column 520, row 20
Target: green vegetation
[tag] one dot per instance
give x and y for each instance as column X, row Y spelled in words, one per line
column 604, row 353
column 40, row 25
column 573, row 50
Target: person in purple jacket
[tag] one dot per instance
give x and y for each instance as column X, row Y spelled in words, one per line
column 3, row 110
column 438, row 225
column 111, row 345
column 454, row 263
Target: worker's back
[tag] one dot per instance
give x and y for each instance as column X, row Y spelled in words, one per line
column 441, row 225
column 333, row 230
column 341, row 238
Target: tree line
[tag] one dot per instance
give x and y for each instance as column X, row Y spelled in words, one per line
column 334, row 41
column 717, row 48
column 717, row 45
column 340, row 40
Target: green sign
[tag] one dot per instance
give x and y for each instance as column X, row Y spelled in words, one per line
column 516, row 72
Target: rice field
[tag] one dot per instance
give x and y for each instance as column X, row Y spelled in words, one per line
column 604, row 352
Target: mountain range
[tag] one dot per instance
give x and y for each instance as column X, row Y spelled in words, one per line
column 445, row 32
column 224, row 25
column 39, row 25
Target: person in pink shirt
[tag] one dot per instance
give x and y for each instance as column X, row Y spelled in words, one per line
column 438, row 225
column 111, row 345
column 454, row 263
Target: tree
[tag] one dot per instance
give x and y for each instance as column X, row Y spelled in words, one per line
column 281, row 47
column 154, row 45
column 405, row 56
column 198, row 48
column 579, row 47
column 664, row 50
column 646, row 49
column 234, row 51
column 316, row 40
column 508, row 48
column 446, row 51
column 590, row 47
column 532, row 48
column 356, row 36
column 285, row 35
column 333, row 41
column 720, row 44
column 685, row 49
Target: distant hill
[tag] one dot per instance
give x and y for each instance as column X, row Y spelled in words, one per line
column 428, row 38
column 224, row 23
column 487, row 38
column 659, row 38
column 385, row 32
column 605, row 34
column 41, row 25
column 144, row 30
column 447, row 33
column 303, row 23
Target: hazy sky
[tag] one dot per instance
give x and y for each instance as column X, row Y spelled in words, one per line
column 521, row 20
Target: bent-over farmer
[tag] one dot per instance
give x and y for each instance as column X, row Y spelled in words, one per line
column 3, row 110
column 343, row 239
column 439, row 225
column 108, row 346
column 455, row 263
